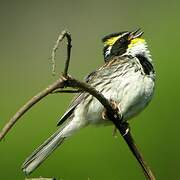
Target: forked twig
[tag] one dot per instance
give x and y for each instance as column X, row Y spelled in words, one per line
column 67, row 81
column 56, row 85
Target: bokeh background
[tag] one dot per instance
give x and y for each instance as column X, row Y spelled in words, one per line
column 28, row 30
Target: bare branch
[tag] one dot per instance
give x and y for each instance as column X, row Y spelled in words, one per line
column 58, row 84
column 134, row 149
column 68, row 81
column 67, row 91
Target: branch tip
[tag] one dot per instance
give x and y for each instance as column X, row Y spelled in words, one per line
column 61, row 36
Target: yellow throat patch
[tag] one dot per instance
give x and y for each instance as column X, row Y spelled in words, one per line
column 135, row 41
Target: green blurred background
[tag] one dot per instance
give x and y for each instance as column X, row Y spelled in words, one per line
column 28, row 30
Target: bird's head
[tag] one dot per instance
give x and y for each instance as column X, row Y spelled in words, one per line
column 125, row 43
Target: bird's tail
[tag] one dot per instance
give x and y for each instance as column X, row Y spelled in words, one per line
column 43, row 151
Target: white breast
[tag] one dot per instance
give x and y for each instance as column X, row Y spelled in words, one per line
column 133, row 92
column 137, row 96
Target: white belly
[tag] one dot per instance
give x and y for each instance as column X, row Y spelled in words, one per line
column 132, row 93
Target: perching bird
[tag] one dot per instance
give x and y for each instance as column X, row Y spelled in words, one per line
column 127, row 78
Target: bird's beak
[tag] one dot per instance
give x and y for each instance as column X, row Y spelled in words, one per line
column 135, row 34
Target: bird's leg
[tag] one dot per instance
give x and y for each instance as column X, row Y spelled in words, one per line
column 124, row 124
column 115, row 106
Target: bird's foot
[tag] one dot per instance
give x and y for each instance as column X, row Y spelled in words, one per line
column 116, row 107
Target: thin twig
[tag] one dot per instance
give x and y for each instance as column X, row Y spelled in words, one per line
column 55, row 48
column 67, row 91
column 134, row 149
column 69, row 46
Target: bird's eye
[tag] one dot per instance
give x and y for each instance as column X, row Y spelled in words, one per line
column 121, row 41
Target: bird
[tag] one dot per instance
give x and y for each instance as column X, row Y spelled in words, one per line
column 127, row 78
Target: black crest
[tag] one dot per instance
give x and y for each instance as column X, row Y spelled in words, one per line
column 109, row 36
